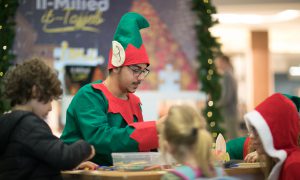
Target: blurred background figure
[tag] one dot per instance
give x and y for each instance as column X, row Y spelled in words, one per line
column 229, row 100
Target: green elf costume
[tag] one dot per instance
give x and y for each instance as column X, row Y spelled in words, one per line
column 109, row 123
column 238, row 148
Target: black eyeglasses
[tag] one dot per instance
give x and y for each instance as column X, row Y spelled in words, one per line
column 137, row 71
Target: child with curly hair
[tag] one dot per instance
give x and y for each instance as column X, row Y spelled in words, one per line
column 28, row 149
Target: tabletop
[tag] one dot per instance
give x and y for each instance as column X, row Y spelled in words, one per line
column 243, row 172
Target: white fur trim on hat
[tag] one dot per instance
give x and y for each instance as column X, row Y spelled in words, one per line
column 118, row 54
column 255, row 119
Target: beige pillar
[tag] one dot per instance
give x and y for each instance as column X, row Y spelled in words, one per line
column 261, row 78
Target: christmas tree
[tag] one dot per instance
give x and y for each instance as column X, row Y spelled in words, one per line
column 7, row 34
column 208, row 47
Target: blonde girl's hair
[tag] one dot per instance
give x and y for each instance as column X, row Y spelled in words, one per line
column 185, row 129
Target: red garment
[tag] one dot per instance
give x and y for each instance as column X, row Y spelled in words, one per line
column 291, row 166
column 276, row 121
column 145, row 133
column 127, row 108
column 246, row 147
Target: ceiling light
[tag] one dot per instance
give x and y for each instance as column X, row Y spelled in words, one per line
column 239, row 18
column 294, row 70
column 288, row 15
column 230, row 18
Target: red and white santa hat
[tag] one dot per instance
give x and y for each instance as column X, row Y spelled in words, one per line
column 276, row 122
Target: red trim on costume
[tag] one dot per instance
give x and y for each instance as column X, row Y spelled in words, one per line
column 246, row 147
column 127, row 108
column 133, row 55
column 145, row 134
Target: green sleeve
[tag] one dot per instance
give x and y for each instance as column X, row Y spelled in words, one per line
column 87, row 118
column 235, row 148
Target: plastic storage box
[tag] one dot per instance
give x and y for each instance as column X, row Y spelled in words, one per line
column 135, row 161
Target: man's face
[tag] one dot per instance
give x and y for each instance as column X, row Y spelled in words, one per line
column 131, row 76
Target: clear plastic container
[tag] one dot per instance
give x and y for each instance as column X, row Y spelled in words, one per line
column 136, row 161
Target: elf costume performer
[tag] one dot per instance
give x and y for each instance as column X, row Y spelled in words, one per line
column 107, row 114
column 238, row 148
column 274, row 126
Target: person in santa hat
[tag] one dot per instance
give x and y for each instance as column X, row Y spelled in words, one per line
column 106, row 113
column 241, row 148
column 274, row 128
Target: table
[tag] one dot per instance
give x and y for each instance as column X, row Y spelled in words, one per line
column 253, row 173
column 111, row 175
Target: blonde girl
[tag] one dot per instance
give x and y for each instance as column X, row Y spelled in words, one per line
column 185, row 137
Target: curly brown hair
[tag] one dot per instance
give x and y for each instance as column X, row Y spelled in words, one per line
column 20, row 80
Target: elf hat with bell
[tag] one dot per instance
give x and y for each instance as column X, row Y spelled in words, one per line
column 276, row 121
column 127, row 45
